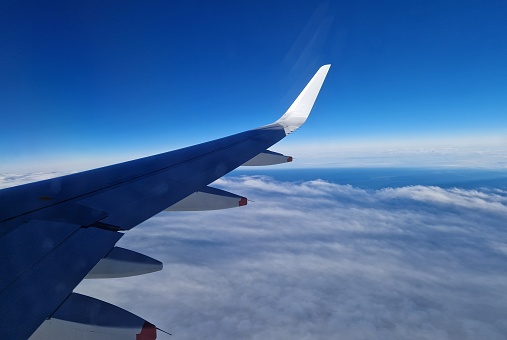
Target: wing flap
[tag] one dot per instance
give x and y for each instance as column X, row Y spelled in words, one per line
column 30, row 242
column 35, row 294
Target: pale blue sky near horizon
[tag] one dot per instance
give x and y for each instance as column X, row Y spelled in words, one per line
column 92, row 83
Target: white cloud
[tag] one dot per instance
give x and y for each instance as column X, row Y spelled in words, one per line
column 12, row 179
column 316, row 260
column 475, row 151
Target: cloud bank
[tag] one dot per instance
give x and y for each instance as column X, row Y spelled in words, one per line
column 316, row 260
column 470, row 151
column 11, row 179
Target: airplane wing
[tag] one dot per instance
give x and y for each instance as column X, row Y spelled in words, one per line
column 56, row 232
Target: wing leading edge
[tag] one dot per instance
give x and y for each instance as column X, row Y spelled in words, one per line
column 74, row 221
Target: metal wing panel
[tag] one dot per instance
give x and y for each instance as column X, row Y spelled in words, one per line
column 30, row 242
column 133, row 202
column 23, row 199
column 35, row 294
column 28, row 198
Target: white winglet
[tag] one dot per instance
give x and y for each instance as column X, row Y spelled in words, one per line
column 300, row 110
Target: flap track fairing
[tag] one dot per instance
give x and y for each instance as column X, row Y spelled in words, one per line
column 209, row 199
column 121, row 262
column 268, row 158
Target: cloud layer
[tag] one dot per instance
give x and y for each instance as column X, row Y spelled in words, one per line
column 485, row 152
column 316, row 260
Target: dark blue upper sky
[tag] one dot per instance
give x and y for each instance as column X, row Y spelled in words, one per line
column 81, row 79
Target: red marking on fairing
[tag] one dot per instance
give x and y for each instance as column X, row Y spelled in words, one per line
column 149, row 332
column 243, row 201
column 289, row 159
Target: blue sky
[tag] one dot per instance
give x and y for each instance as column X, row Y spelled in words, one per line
column 95, row 82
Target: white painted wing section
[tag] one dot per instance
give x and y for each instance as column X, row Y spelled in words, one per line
column 299, row 111
column 268, row 158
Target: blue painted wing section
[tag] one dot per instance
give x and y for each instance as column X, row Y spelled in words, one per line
column 24, row 246
column 131, row 192
column 50, row 239
column 33, row 295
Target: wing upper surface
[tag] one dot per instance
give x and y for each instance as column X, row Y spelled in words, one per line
column 50, row 269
